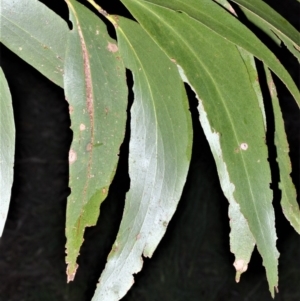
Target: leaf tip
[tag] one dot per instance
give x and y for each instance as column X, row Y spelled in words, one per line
column 71, row 272
column 241, row 266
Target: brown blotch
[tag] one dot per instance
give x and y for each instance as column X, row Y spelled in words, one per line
column 112, row 47
column 71, row 109
column 104, row 191
column 89, row 147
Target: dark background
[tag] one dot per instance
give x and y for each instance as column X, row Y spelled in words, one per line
column 193, row 261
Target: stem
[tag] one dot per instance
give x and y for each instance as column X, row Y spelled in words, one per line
column 103, row 12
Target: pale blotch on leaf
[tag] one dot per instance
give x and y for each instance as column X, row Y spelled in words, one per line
column 241, row 266
column 72, row 275
column 71, row 109
column 112, row 47
column 244, row 146
column 82, row 127
column 72, row 156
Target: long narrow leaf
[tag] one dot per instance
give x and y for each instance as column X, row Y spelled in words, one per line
column 289, row 203
column 159, row 156
column 36, row 34
column 212, row 16
column 229, row 113
column 261, row 14
column 7, row 149
column 95, row 87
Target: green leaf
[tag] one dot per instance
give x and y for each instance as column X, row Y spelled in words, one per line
column 212, row 16
column 159, row 157
column 36, row 34
column 95, row 87
column 229, row 114
column 261, row 14
column 289, row 203
column 242, row 242
column 7, row 149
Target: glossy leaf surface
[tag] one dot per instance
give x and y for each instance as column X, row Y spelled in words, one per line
column 36, row 34
column 214, row 68
column 159, row 156
column 95, row 87
column 7, row 149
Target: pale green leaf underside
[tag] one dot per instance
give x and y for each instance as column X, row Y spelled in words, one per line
column 212, row 16
column 159, row 156
column 36, row 34
column 228, row 110
column 261, row 14
column 95, row 87
column 289, row 203
column 7, row 148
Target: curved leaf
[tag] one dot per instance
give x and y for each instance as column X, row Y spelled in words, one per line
column 212, row 16
column 95, row 87
column 229, row 113
column 289, row 203
column 7, row 149
column 36, row 34
column 242, row 242
column 159, row 156
column 261, row 14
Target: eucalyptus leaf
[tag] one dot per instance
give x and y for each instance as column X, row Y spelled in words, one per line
column 7, row 149
column 95, row 87
column 36, row 34
column 289, row 203
column 159, row 157
column 214, row 17
column 271, row 22
column 228, row 109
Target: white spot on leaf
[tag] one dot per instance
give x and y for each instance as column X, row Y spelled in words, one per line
column 82, row 127
column 244, row 146
column 72, row 156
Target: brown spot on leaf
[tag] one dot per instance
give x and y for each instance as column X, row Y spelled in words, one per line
column 72, row 156
column 112, row 47
column 104, row 191
column 89, row 147
column 71, row 109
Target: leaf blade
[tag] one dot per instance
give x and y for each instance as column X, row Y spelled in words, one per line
column 215, row 18
column 244, row 154
column 159, row 156
column 7, row 149
column 95, row 87
column 34, row 41
column 260, row 10
column 288, row 202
